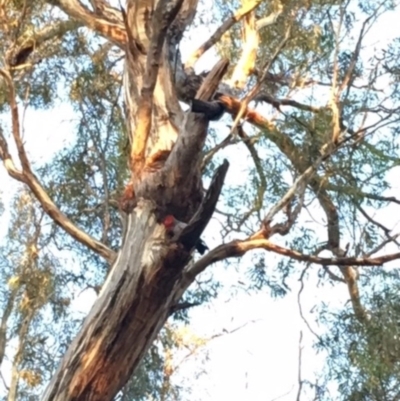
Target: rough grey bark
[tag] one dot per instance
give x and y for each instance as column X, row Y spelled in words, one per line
column 129, row 312
column 145, row 283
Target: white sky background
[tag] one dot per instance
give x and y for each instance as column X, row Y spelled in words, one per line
column 259, row 361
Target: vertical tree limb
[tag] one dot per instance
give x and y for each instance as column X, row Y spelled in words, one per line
column 185, row 158
column 258, row 85
column 163, row 16
column 192, row 232
column 250, row 39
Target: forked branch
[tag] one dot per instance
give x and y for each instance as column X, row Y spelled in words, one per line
column 186, row 154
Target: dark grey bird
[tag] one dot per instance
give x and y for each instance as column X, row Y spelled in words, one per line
column 213, row 110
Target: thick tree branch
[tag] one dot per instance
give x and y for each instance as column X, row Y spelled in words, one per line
column 192, row 232
column 185, row 158
column 113, row 31
column 212, row 81
column 56, row 30
column 29, row 178
column 238, row 248
column 212, row 110
column 21, row 51
column 247, row 61
column 164, row 14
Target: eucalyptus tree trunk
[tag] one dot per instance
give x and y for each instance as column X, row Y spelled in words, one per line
column 150, row 272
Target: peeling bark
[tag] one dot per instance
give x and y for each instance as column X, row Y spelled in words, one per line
column 131, row 309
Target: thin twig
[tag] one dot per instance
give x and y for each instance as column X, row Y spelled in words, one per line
column 299, row 299
column 300, row 381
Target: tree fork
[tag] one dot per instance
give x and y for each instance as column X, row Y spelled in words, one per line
column 144, row 284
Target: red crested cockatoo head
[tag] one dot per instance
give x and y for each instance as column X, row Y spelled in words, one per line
column 175, row 227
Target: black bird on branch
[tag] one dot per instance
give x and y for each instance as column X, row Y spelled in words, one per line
column 213, row 110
